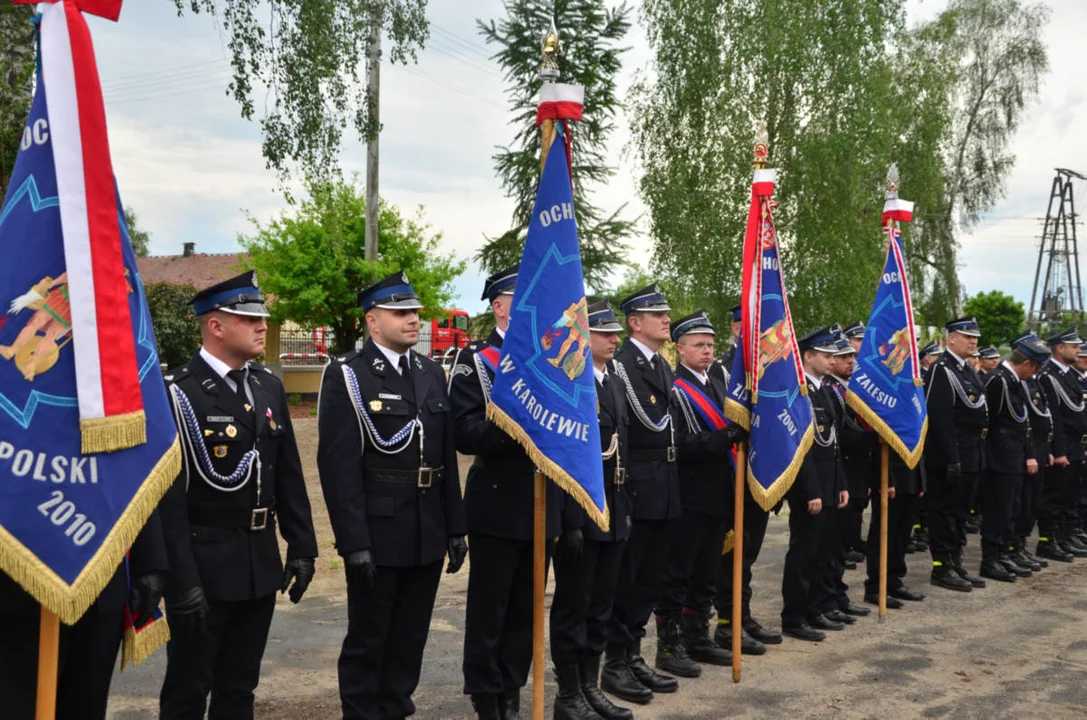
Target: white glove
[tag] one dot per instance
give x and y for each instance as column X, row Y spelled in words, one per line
column 24, row 301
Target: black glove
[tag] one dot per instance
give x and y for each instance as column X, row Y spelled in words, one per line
column 187, row 613
column 736, row 434
column 570, row 546
column 361, row 570
column 301, row 569
column 458, row 550
column 144, row 597
column 954, row 471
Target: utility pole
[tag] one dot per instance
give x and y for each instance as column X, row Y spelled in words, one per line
column 373, row 98
column 1059, row 283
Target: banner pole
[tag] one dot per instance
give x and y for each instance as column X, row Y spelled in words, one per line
column 48, row 646
column 539, row 580
column 884, row 513
column 738, row 560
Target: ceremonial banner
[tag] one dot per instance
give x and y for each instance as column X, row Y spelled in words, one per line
column 767, row 393
column 68, row 514
column 544, row 393
column 886, row 388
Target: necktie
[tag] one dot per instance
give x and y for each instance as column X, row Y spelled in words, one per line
column 238, row 376
column 405, row 367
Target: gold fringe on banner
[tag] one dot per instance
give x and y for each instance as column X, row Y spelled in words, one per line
column 767, row 498
column 69, row 602
column 115, row 432
column 738, row 413
column 910, row 457
column 138, row 646
column 549, row 468
column 730, row 542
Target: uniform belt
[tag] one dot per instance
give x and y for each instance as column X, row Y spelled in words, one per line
column 423, row 477
column 253, row 519
column 668, row 454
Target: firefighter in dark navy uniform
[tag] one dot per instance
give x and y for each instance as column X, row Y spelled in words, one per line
column 1041, row 435
column 653, row 482
column 722, row 366
column 498, row 499
column 954, row 453
column 389, row 473
column 242, row 477
column 706, row 475
column 587, row 560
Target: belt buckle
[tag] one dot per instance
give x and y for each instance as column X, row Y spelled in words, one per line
column 620, row 476
column 671, row 453
column 258, row 518
column 428, row 473
column 984, row 432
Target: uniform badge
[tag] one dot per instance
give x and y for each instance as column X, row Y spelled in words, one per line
column 972, row 398
column 376, row 405
column 231, row 431
column 220, row 451
column 821, row 428
column 248, row 407
column 208, row 433
column 272, row 424
column 652, row 399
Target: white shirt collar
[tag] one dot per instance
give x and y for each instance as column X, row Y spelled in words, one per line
column 817, row 382
column 649, row 354
column 393, row 357
column 220, row 367
column 959, row 360
column 1010, row 369
column 703, row 377
column 500, row 331
column 843, row 381
column 1058, row 363
column 600, row 374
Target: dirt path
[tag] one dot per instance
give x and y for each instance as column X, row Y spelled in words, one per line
column 1009, row 651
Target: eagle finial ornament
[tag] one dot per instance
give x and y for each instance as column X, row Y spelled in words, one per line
column 892, row 181
column 762, row 145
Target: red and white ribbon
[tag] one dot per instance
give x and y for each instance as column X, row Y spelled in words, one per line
column 107, row 377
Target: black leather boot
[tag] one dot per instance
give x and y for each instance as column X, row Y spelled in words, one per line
column 509, row 704
column 1012, row 565
column 598, row 701
column 748, row 645
column 672, row 656
column 696, row 636
column 570, row 703
column 618, row 679
column 486, row 706
column 1030, row 556
column 956, row 563
column 995, row 570
column 1049, row 548
column 944, row 575
column 655, row 681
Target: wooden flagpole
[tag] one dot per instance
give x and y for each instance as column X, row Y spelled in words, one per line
column 48, row 647
column 539, row 581
column 738, row 560
column 883, row 522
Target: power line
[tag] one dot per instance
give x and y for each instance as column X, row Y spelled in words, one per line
column 456, row 88
column 469, row 46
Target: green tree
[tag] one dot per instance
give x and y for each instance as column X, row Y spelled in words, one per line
column 141, row 238
column 311, row 261
column 591, row 35
column 303, row 62
column 16, row 83
column 176, row 329
column 1001, row 317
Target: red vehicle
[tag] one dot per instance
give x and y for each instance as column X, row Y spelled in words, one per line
column 448, row 333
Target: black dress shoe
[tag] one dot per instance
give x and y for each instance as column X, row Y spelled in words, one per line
column 822, row 622
column 839, row 617
column 854, row 556
column 893, row 603
column 803, row 632
column 944, row 576
column 994, row 570
column 748, row 645
column 765, row 635
column 856, row 610
column 904, row 593
column 1052, row 551
column 911, row 547
column 1073, row 548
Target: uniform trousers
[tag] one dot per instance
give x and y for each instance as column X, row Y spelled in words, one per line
column 832, row 591
column 1059, row 493
column 382, row 654
column 948, row 506
column 900, row 510
column 640, row 578
column 693, row 562
column 755, row 519
column 87, row 656
column 1026, row 509
column 997, row 514
column 498, row 618
column 581, row 606
column 224, row 661
column 809, row 545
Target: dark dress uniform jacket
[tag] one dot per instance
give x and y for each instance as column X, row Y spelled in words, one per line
column 821, row 475
column 613, row 418
column 402, row 524
column 1041, row 421
column 705, row 470
column 954, row 429
column 1009, row 437
column 235, row 563
column 858, row 446
column 498, row 494
column 1065, row 399
column 653, row 483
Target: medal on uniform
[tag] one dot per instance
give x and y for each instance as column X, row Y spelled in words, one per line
column 972, row 398
column 272, row 424
column 208, row 433
column 248, row 407
column 220, row 451
column 231, row 431
column 652, row 399
column 375, row 405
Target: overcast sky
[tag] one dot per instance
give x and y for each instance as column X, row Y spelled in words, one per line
column 190, row 166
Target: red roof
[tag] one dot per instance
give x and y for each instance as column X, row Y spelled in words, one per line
column 200, row 270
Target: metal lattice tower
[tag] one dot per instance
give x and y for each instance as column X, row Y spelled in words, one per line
column 1061, row 292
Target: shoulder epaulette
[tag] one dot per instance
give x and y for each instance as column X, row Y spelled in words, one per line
column 348, row 357
column 172, row 376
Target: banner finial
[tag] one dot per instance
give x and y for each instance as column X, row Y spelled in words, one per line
column 762, row 146
column 892, row 181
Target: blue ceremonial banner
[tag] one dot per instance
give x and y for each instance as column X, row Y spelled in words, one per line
column 767, row 393
column 886, row 388
column 67, row 518
column 544, row 393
